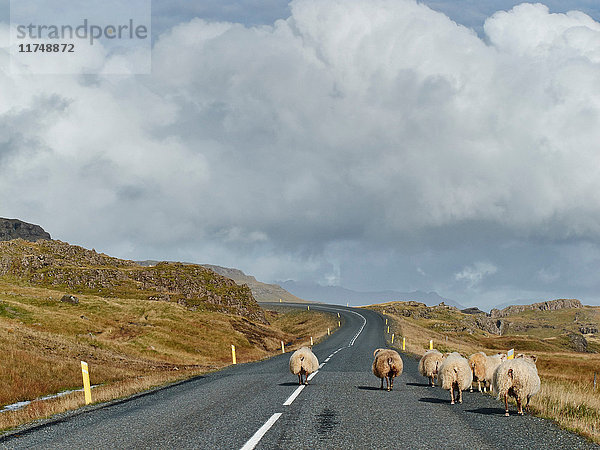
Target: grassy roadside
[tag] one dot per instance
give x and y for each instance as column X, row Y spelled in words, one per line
column 566, row 395
column 130, row 345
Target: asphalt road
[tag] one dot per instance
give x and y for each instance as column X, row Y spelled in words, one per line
column 260, row 404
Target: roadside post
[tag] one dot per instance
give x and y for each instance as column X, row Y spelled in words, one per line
column 392, row 338
column 403, row 343
column 511, row 354
column 85, row 371
column 282, row 347
column 431, row 344
column 233, row 354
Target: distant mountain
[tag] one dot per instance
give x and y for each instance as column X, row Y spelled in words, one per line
column 262, row 292
column 17, row 229
column 340, row 295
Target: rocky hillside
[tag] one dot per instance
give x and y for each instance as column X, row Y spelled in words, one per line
column 17, row 229
column 263, row 292
column 74, row 269
column 552, row 305
column 553, row 324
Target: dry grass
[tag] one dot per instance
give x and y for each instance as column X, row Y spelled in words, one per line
column 566, row 395
column 130, row 345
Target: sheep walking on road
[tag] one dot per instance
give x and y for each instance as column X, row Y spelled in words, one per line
column 429, row 365
column 303, row 362
column 477, row 363
column 492, row 363
column 519, row 379
column 387, row 364
column 455, row 375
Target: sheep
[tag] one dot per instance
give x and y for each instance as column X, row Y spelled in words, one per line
column 519, row 379
column 454, row 375
column 303, row 362
column 477, row 363
column 429, row 364
column 492, row 363
column 387, row 364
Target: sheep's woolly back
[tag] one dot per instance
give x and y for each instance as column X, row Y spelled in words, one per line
column 430, row 362
column 455, row 369
column 524, row 382
column 303, row 359
column 387, row 363
column 477, row 363
column 491, row 365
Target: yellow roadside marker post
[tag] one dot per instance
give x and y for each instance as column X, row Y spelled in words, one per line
column 431, row 344
column 339, row 324
column 386, row 321
column 233, row 354
column 311, row 341
column 403, row 343
column 328, row 333
column 308, row 308
column 280, row 301
column 85, row 371
column 392, row 338
column 511, row 354
column 282, row 347
column 338, row 314
column 388, row 329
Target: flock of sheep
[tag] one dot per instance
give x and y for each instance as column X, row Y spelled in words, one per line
column 517, row 377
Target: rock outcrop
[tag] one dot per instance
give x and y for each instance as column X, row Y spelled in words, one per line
column 17, row 229
column 551, row 305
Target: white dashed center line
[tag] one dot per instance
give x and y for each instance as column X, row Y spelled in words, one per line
column 261, row 432
column 292, row 397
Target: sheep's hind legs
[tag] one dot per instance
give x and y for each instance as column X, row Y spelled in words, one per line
column 520, row 407
column 381, row 384
column 451, row 395
column 506, row 404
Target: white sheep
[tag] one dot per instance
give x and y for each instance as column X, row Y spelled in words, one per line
column 491, row 364
column 519, row 379
column 477, row 363
column 429, row 364
column 303, row 362
column 387, row 364
column 454, row 375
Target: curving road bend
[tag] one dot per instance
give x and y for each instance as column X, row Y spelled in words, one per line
column 259, row 405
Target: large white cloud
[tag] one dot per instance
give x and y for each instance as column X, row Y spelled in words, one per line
column 350, row 128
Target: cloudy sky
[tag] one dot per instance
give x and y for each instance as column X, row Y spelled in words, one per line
column 450, row 146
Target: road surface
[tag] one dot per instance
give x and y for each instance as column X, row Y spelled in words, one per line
column 260, row 405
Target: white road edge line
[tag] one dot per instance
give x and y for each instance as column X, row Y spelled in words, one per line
column 311, row 376
column 321, row 365
column 292, row 397
column 254, row 440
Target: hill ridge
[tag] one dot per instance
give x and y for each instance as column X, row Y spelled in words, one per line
column 57, row 264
